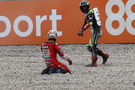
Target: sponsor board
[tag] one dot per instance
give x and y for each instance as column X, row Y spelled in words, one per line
column 27, row 22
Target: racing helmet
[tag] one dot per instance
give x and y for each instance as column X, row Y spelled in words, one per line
column 52, row 34
column 84, row 6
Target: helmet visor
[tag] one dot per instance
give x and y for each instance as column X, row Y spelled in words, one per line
column 84, row 8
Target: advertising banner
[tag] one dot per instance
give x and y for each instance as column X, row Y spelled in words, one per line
column 27, row 22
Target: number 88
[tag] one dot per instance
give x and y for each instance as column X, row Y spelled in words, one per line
column 119, row 17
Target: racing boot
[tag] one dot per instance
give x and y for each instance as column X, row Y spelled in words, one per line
column 94, row 60
column 64, row 71
column 45, row 71
column 103, row 55
column 105, row 58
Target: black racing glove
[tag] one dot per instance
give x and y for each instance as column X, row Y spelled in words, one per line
column 69, row 61
column 80, row 33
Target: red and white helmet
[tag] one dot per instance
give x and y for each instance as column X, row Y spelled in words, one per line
column 52, row 34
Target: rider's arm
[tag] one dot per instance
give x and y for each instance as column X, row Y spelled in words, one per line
column 85, row 22
column 89, row 21
column 61, row 54
column 58, row 50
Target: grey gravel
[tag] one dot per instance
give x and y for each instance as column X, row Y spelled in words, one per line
column 20, row 68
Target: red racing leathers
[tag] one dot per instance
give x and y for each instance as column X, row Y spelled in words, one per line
column 50, row 51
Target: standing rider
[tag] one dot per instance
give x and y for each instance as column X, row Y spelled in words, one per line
column 92, row 21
